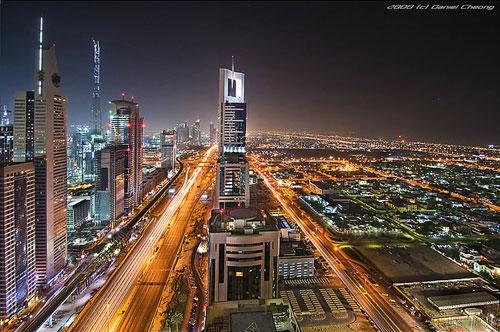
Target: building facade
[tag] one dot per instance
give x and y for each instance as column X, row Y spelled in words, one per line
column 79, row 212
column 212, row 133
column 168, row 149
column 50, row 157
column 111, row 183
column 127, row 128
column 232, row 184
column 17, row 240
column 6, row 143
column 24, row 126
column 243, row 255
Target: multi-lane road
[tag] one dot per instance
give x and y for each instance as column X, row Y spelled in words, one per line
column 141, row 303
column 104, row 310
column 382, row 314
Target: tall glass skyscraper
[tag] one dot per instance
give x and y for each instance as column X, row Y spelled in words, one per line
column 17, row 239
column 127, row 128
column 50, row 157
column 232, row 186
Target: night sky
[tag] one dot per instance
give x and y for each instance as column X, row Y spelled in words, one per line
column 346, row 68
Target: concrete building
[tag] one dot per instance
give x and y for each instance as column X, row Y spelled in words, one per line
column 6, row 143
column 243, row 255
column 463, row 300
column 17, row 238
column 273, row 315
column 232, row 184
column 111, row 183
column 24, row 126
column 152, row 177
column 295, row 260
column 168, row 149
column 127, row 128
column 50, row 166
column 79, row 212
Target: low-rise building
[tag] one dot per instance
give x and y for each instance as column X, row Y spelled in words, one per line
column 79, row 211
column 295, row 260
column 273, row 315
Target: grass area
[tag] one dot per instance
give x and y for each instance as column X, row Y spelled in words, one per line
column 174, row 315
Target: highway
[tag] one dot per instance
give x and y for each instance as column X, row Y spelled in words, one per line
column 141, row 303
column 84, row 271
column 98, row 313
column 383, row 316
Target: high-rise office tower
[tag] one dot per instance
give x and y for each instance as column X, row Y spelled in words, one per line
column 232, row 185
column 50, row 165
column 24, row 126
column 6, row 143
column 243, row 255
column 127, row 128
column 5, row 115
column 213, row 134
column 196, row 133
column 110, row 186
column 168, row 148
column 17, row 238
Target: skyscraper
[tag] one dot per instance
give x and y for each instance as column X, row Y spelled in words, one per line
column 50, row 166
column 168, row 148
column 6, row 143
column 213, row 134
column 127, row 128
column 17, row 239
column 5, row 120
column 24, row 126
column 243, row 255
column 110, row 187
column 232, row 185
column 196, row 133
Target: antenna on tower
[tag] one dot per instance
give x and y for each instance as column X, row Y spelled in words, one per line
column 40, row 53
column 96, row 109
column 232, row 65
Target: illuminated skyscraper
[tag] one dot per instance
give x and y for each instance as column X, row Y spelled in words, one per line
column 168, row 148
column 24, row 126
column 6, row 143
column 196, row 133
column 110, row 186
column 50, row 165
column 127, row 128
column 232, row 186
column 243, row 250
column 17, row 239
column 213, row 134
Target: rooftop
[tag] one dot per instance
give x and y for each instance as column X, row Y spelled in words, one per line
column 241, row 221
column 454, row 301
column 252, row 321
column 293, row 249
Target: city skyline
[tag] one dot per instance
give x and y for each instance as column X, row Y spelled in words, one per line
column 320, row 191
column 433, row 81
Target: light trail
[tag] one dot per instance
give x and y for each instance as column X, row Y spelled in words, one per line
column 369, row 304
column 100, row 310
